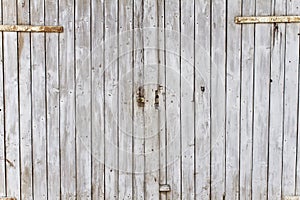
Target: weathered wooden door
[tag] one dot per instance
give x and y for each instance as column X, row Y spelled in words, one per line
column 149, row 99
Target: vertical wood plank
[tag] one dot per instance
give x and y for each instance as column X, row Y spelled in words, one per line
column 172, row 25
column 233, row 100
column 111, row 99
column 25, row 103
column 52, row 92
column 290, row 102
column 97, row 100
column 187, row 99
column 138, row 112
column 161, row 92
column 2, row 115
column 150, row 34
column 261, row 103
column 247, row 92
column 125, row 99
column 276, row 104
column 39, row 121
column 11, row 102
column 67, row 100
column 83, row 99
column 202, row 98
column 218, row 98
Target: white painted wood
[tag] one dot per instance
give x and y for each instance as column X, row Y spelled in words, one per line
column 11, row 122
column 52, row 92
column 290, row 122
column 150, row 37
column 161, row 92
column 187, row 99
column 218, row 98
column 172, row 40
column 138, row 112
column 202, row 99
column 39, row 120
column 247, row 76
column 276, row 104
column 83, row 99
column 125, row 99
column 97, row 34
column 67, row 100
column 2, row 114
column 233, row 101
column 261, row 104
column 25, row 103
column 111, row 100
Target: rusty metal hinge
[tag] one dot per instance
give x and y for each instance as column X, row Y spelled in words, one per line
column 266, row 19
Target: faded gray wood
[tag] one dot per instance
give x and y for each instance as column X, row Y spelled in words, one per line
column 172, row 40
column 247, row 80
column 125, row 99
column 261, row 104
column 98, row 139
column 39, row 118
column 233, row 102
column 138, row 112
column 276, row 104
column 52, row 107
column 2, row 115
column 218, row 96
column 291, row 84
column 11, row 104
column 67, row 100
column 111, row 69
column 202, row 99
column 25, row 104
column 83, row 99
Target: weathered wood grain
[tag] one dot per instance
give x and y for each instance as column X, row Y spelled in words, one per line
column 247, row 76
column 276, row 104
column 172, row 40
column 83, row 99
column 25, row 103
column 218, row 99
column 150, row 37
column 261, row 104
column 11, row 97
column 39, row 120
column 111, row 100
column 202, row 99
column 97, row 49
column 267, row 19
column 187, row 99
column 291, row 85
column 52, row 98
column 138, row 112
column 125, row 99
column 67, row 101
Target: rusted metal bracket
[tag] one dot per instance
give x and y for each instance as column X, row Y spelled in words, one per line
column 30, row 28
column 267, row 19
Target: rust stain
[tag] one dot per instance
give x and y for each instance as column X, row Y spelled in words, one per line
column 8, row 198
column 10, row 163
column 21, row 42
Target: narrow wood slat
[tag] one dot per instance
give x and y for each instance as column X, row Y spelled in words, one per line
column 267, row 19
column 25, row 104
column 83, row 99
column 30, row 28
column 67, row 101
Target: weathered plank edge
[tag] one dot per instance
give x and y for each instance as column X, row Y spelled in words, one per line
column 267, row 19
column 30, row 28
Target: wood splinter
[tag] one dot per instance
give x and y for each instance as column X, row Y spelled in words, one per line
column 30, row 28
